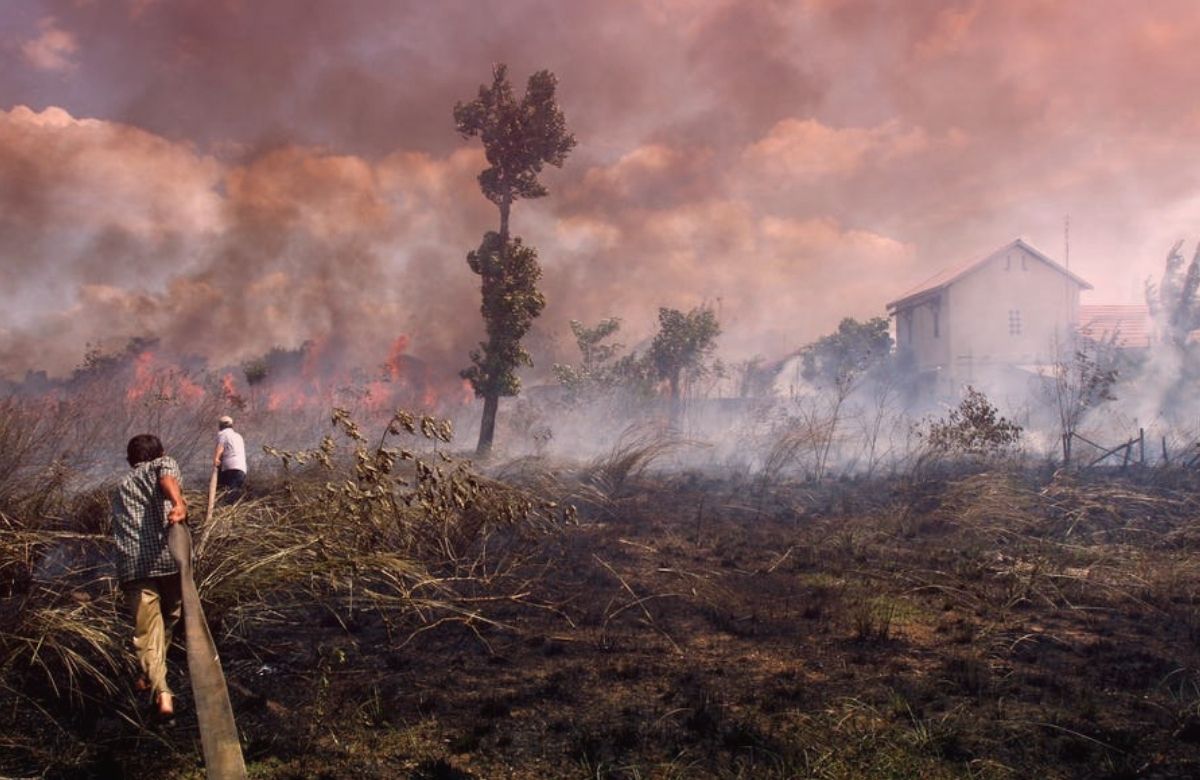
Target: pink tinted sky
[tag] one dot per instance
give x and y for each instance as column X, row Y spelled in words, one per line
column 231, row 175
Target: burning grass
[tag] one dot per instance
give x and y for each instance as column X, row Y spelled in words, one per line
column 385, row 609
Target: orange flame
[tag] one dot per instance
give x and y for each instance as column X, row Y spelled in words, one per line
column 143, row 376
column 186, row 389
column 162, row 382
column 394, row 365
column 429, row 398
column 402, row 381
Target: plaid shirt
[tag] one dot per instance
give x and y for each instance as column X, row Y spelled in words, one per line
column 140, row 521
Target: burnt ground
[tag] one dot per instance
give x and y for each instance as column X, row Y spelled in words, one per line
column 987, row 626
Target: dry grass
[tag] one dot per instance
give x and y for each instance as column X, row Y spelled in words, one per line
column 404, row 535
column 386, row 610
column 638, row 447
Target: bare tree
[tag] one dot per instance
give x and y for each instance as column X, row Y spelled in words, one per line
column 838, row 363
column 1080, row 382
column 884, row 395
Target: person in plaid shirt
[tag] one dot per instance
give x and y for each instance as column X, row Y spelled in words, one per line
column 145, row 502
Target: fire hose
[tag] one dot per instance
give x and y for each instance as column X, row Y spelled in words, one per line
column 218, row 731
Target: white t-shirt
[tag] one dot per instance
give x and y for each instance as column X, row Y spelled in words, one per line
column 233, row 456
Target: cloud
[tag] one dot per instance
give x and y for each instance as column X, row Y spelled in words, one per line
column 92, row 202
column 324, row 195
column 949, row 34
column 53, row 49
column 89, row 173
column 807, row 149
column 653, row 174
column 770, row 277
column 113, row 232
column 238, row 175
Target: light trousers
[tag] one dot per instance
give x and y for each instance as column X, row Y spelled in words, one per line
column 154, row 604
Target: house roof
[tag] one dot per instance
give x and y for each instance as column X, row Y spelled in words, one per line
column 948, row 276
column 1127, row 326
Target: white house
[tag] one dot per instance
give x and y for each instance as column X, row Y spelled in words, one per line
column 990, row 319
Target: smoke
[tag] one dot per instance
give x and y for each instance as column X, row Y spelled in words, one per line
column 230, row 177
column 219, row 260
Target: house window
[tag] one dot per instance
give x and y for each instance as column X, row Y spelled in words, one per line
column 1014, row 322
column 1008, row 262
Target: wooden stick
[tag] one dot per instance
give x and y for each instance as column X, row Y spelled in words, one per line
column 208, row 513
column 212, row 496
column 1086, row 440
column 1114, row 451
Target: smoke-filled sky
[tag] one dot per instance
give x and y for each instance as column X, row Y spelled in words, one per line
column 232, row 175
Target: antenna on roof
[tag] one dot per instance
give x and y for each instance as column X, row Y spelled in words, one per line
column 1067, row 241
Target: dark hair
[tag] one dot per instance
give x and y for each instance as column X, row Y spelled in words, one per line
column 143, row 447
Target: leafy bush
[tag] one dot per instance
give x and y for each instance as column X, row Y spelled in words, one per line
column 974, row 428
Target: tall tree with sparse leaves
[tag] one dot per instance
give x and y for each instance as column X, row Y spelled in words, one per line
column 1175, row 302
column 519, row 138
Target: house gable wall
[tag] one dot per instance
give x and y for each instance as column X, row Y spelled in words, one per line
column 1013, row 309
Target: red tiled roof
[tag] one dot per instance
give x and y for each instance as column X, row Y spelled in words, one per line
column 947, row 276
column 1125, row 325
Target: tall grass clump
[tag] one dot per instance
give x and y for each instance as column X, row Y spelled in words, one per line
column 390, row 524
column 43, row 629
column 638, row 447
column 391, row 530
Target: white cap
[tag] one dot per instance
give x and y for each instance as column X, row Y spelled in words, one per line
column 225, row 420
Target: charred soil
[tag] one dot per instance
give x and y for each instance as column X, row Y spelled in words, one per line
column 1001, row 623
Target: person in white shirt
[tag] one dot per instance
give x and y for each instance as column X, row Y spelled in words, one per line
column 230, row 457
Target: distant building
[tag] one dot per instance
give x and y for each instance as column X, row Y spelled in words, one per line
column 989, row 321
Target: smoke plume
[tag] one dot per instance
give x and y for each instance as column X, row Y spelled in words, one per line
column 230, row 177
